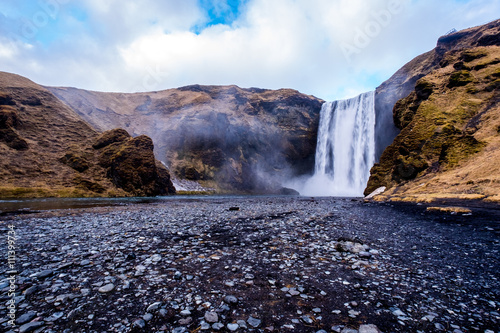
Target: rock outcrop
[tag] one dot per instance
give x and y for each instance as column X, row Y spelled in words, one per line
column 131, row 165
column 224, row 137
column 46, row 149
column 402, row 83
column 449, row 142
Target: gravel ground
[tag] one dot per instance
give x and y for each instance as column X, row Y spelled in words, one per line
column 258, row 264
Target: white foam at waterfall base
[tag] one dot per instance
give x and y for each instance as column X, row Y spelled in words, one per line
column 345, row 149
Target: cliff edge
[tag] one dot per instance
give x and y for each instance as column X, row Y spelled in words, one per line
column 449, row 144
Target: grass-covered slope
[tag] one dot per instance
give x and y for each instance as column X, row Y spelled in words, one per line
column 46, row 150
column 449, row 144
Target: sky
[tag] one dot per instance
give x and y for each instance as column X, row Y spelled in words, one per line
column 331, row 49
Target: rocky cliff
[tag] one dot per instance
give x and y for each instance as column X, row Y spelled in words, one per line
column 448, row 113
column 225, row 137
column 46, row 149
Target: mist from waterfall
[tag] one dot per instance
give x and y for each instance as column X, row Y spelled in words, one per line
column 345, row 150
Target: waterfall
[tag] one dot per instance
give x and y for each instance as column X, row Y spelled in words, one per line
column 345, row 150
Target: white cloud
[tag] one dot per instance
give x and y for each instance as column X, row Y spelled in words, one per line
column 127, row 45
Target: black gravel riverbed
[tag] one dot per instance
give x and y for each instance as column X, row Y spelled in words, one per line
column 257, row 264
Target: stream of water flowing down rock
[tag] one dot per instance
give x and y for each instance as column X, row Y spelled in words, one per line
column 345, row 150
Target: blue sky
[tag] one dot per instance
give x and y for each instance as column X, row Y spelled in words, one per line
column 328, row 48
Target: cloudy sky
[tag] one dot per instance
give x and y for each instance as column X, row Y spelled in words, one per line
column 328, row 48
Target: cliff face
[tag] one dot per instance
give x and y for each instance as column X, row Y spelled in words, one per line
column 46, row 150
column 449, row 143
column 232, row 139
column 402, row 83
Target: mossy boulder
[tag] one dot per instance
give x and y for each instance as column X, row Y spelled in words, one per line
column 408, row 167
column 423, row 89
column 460, row 78
column 131, row 164
column 471, row 55
column 88, row 184
column 109, row 137
column 75, row 161
column 404, row 110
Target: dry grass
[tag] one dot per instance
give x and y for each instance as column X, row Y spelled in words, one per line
column 456, row 132
column 449, row 210
column 494, row 198
column 12, row 192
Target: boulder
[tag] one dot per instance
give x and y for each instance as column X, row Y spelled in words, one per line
column 131, row 164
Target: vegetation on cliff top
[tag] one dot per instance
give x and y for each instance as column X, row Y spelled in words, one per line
column 449, row 141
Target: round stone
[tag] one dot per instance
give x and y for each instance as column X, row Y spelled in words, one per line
column 233, row 327
column 254, row 322
column 211, row 317
column 107, row 288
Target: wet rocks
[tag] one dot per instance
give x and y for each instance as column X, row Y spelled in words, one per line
column 277, row 265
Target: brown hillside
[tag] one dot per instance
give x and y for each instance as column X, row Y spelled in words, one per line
column 449, row 145
column 46, row 148
column 402, row 83
column 233, row 139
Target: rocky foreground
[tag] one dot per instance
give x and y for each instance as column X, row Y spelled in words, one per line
column 263, row 264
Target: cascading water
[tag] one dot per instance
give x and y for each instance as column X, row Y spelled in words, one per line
column 345, row 150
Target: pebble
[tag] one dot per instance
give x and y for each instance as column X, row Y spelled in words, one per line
column 44, row 274
column 107, row 288
column 139, row 324
column 232, row 327
column 30, row 327
column 254, row 322
column 85, row 262
column 369, row 329
column 211, row 317
column 153, row 307
column 28, row 316
column 231, row 300
column 186, row 313
column 349, row 330
column 31, row 290
column 55, row 316
column 218, row 326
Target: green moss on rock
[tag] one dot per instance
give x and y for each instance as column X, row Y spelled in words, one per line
column 460, row 78
column 131, row 164
column 471, row 55
column 109, row 137
column 75, row 161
